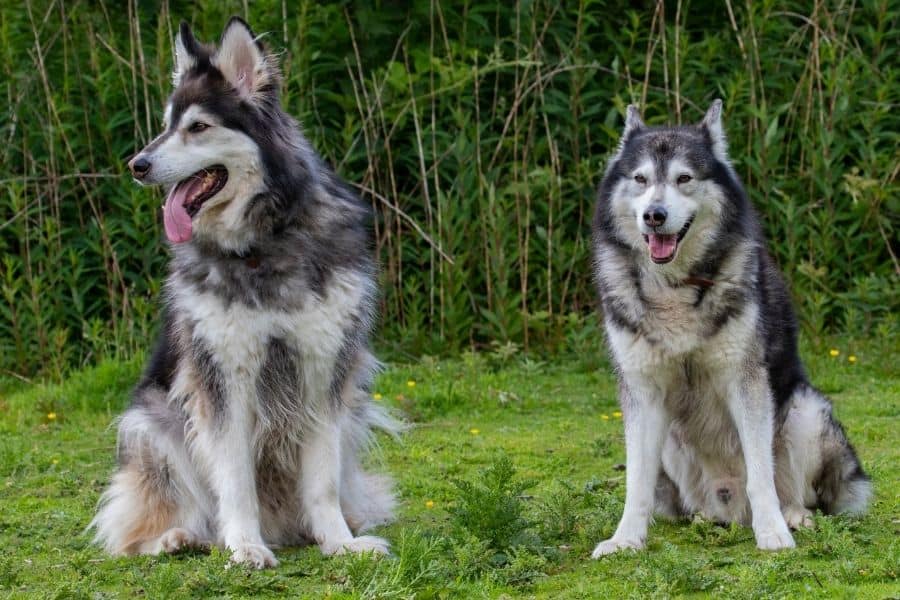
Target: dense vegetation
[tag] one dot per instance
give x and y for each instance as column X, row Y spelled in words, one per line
column 477, row 130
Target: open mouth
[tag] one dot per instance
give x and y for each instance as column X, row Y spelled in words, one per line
column 187, row 198
column 200, row 187
column 664, row 246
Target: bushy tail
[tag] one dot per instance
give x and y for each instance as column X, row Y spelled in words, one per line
column 132, row 512
column 844, row 488
column 840, row 484
column 367, row 499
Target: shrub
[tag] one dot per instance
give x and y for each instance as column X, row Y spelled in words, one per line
column 477, row 131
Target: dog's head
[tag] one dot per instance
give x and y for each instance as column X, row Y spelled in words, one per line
column 664, row 184
column 218, row 137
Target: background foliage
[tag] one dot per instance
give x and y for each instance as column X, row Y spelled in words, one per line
column 477, row 130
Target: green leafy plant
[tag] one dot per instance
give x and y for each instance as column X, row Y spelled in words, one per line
column 477, row 132
column 492, row 509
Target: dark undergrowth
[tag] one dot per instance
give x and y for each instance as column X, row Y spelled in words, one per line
column 478, row 131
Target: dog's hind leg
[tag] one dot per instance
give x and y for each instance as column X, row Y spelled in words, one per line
column 153, row 491
column 798, row 457
column 175, row 540
column 140, row 503
column 668, row 504
column 134, row 511
column 676, row 490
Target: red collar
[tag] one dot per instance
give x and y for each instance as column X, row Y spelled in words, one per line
column 698, row 281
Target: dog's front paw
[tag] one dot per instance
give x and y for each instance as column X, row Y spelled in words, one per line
column 357, row 545
column 614, row 545
column 775, row 539
column 798, row 516
column 253, row 555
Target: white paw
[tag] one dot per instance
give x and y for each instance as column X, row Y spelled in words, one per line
column 775, row 539
column 253, row 555
column 363, row 543
column 614, row 545
column 798, row 516
column 177, row 539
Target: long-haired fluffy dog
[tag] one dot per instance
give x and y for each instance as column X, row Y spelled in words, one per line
column 720, row 418
column 247, row 427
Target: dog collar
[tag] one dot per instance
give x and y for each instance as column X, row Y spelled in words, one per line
column 699, row 282
column 250, row 259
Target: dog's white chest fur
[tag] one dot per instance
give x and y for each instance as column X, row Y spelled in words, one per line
column 674, row 328
column 672, row 323
column 239, row 335
column 691, row 371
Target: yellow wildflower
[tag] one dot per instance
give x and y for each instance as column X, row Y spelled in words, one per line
column 834, row 352
column 55, row 461
column 604, row 417
column 376, row 396
column 51, row 416
column 429, row 504
column 410, row 383
column 617, row 414
column 851, row 358
column 474, row 431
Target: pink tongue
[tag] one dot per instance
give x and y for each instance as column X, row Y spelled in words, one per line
column 176, row 219
column 662, row 246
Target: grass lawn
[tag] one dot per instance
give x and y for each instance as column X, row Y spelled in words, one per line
column 508, row 478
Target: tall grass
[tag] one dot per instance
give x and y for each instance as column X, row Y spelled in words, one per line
column 477, row 130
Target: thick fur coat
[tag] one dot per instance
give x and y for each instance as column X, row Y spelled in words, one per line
column 248, row 426
column 720, row 418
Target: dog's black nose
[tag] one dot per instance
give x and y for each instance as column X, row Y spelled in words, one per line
column 139, row 166
column 655, row 215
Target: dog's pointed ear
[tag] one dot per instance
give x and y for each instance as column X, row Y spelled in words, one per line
column 186, row 47
column 242, row 59
column 633, row 121
column 712, row 124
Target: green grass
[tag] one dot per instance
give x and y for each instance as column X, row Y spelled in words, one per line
column 507, row 480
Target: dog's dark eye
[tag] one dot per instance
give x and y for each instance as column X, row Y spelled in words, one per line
column 684, row 178
column 197, row 127
column 640, row 179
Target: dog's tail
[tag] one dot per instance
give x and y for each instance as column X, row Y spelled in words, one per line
column 367, row 498
column 154, row 488
column 379, row 417
column 843, row 487
column 819, row 443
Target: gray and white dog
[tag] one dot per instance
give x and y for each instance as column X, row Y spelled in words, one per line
column 247, row 427
column 720, row 418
